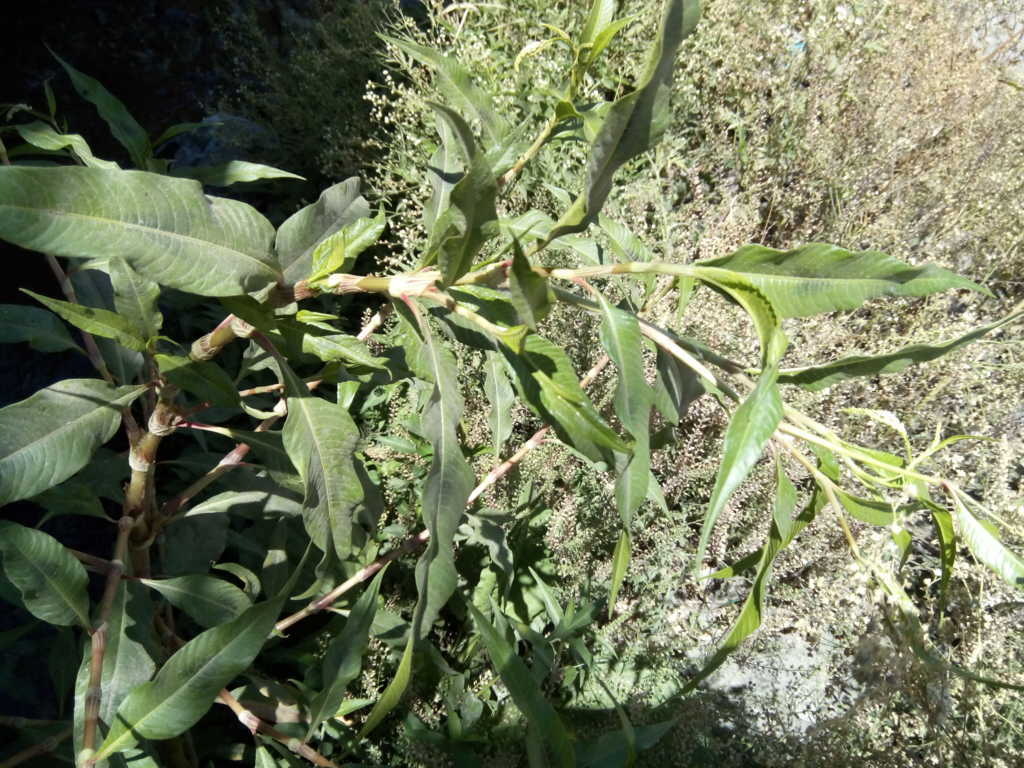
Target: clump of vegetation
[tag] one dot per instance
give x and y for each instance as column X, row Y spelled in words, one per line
column 561, row 609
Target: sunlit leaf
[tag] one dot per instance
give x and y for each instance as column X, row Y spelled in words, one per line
column 444, row 170
column 187, row 684
column 501, row 397
column 202, row 378
column 986, row 546
column 304, row 230
column 231, row 172
column 818, row 277
column 338, row 252
column 531, row 295
column 750, row 428
column 165, row 228
column 99, row 322
column 344, row 656
column 208, row 600
column 817, row 377
column 51, row 581
column 51, row 435
column 43, row 136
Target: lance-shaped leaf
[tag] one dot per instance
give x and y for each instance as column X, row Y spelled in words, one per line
column 443, row 171
column 99, row 322
column 202, row 378
column 781, row 533
column 393, row 693
column 620, row 565
column 751, row 426
column 501, row 397
column 41, row 329
column 547, row 382
column 51, row 581
column 41, row 135
column 320, row 438
column 187, row 684
column 127, row 662
column 93, row 289
column 818, row 277
column 208, row 600
column 52, row 434
column 232, row 172
column 676, row 387
column 448, row 485
column 455, row 84
column 342, row 347
column 297, row 238
column 338, row 253
column 135, row 298
column 762, row 311
column 621, row 338
column 525, row 690
column 601, row 14
column 986, row 546
column 124, row 127
column 635, row 122
column 471, row 218
column 817, row 377
column 165, row 228
column 344, row 656
column 531, row 294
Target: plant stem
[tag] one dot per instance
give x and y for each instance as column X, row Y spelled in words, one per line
column 530, row 153
column 42, row 748
column 255, row 725
column 94, row 694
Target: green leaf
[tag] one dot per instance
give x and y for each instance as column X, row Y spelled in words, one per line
column 443, row 171
column 501, row 397
column 986, row 546
column 41, row 329
column 676, row 387
column 202, row 378
column 606, row 35
column 99, row 322
column 471, row 219
column 72, row 497
column 187, row 684
column 300, row 234
column 601, row 14
column 126, row 660
column 818, row 277
column 635, row 122
column 393, row 693
column 525, row 691
column 165, row 228
column 208, row 600
column 232, row 172
column 762, row 312
column 620, row 566
column 344, row 656
column 174, row 131
column 531, row 294
column 135, row 298
column 124, row 127
column 341, row 347
column 621, row 338
column 41, row 135
column 51, row 581
column 338, row 253
column 783, row 529
column 817, row 377
column 51, row 435
column 93, row 289
column 320, row 438
column 750, row 428
column 547, row 382
column 447, row 486
column 455, row 84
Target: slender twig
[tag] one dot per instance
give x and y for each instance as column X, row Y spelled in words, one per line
column 530, row 153
column 94, row 694
column 42, row 748
column 416, row 541
column 91, row 562
column 255, row 725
